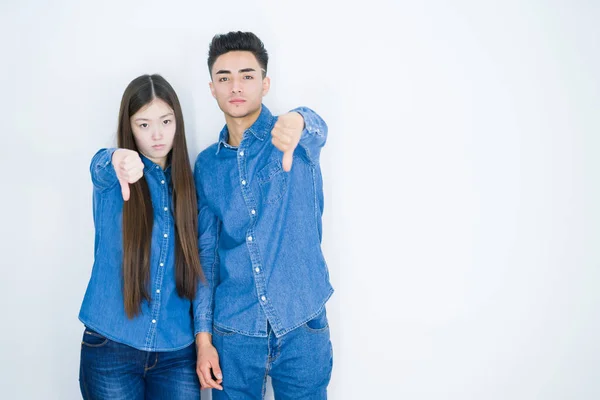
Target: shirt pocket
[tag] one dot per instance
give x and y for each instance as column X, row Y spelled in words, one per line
column 318, row 324
column 272, row 180
column 93, row 339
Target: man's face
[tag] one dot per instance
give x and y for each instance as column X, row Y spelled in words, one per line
column 237, row 83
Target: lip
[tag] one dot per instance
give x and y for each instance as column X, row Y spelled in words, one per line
column 158, row 146
column 237, row 101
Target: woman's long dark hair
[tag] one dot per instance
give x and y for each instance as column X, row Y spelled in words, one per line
column 138, row 212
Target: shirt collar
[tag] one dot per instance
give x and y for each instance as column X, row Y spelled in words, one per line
column 150, row 165
column 261, row 128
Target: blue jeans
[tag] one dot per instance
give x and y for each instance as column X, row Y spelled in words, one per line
column 299, row 363
column 111, row 370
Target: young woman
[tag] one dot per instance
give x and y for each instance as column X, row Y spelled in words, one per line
column 139, row 306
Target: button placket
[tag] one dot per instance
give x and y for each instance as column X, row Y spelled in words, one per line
column 163, row 247
column 250, row 238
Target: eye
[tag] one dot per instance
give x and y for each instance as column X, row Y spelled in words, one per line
column 144, row 125
column 167, row 121
column 223, row 79
column 248, row 77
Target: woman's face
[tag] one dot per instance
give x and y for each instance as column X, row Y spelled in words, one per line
column 153, row 129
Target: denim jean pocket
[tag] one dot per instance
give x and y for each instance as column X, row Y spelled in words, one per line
column 272, row 180
column 318, row 324
column 222, row 331
column 92, row 338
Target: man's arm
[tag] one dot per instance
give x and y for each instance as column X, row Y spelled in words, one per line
column 301, row 126
column 203, row 304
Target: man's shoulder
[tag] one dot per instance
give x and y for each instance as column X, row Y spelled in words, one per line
column 204, row 160
column 207, row 155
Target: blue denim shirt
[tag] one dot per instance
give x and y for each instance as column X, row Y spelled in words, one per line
column 166, row 322
column 260, row 231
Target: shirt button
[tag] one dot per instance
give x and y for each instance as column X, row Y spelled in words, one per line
column 249, row 238
column 157, row 167
column 153, row 321
column 257, row 270
column 162, row 265
column 242, row 153
column 253, row 212
column 243, row 182
column 166, row 235
column 162, row 182
column 263, row 298
column 157, row 290
column 166, row 208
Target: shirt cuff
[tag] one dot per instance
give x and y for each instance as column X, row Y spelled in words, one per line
column 311, row 124
column 202, row 325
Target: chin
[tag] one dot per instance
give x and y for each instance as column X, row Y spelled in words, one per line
column 159, row 154
column 241, row 112
column 238, row 114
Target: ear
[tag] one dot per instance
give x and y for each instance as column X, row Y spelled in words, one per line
column 212, row 89
column 266, row 85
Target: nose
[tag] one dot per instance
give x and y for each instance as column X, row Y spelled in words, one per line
column 157, row 133
column 236, row 86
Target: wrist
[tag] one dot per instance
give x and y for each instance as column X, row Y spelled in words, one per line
column 203, row 338
column 299, row 118
column 116, row 154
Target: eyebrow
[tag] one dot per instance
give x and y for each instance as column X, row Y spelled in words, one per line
column 161, row 117
column 226, row 71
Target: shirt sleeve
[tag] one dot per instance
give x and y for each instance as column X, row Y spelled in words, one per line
column 102, row 171
column 208, row 236
column 314, row 134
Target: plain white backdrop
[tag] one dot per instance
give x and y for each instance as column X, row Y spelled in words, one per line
column 461, row 177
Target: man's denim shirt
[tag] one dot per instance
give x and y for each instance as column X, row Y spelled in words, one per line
column 260, row 231
column 166, row 322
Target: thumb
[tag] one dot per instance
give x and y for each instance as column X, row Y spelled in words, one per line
column 216, row 369
column 124, row 189
column 288, row 157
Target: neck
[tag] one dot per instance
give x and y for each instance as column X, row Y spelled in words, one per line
column 161, row 162
column 237, row 126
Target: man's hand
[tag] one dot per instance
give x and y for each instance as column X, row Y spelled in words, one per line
column 207, row 360
column 129, row 168
column 285, row 136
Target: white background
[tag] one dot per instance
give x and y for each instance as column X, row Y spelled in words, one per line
column 461, row 179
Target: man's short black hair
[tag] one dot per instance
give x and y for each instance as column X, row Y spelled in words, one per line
column 238, row 41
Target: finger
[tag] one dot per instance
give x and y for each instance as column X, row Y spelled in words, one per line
column 277, row 125
column 135, row 174
column 208, row 379
column 288, row 157
column 126, row 163
column 216, row 369
column 201, row 377
column 277, row 143
column 124, row 189
column 130, row 165
column 131, row 162
column 132, row 175
column 283, row 136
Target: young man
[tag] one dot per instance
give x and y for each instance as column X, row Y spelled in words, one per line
column 260, row 203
